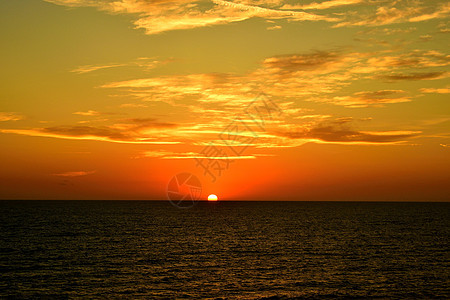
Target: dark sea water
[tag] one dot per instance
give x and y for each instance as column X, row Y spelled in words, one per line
column 235, row 250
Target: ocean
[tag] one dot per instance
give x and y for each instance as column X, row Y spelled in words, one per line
column 224, row 250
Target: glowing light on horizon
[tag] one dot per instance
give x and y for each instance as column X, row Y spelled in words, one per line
column 212, row 197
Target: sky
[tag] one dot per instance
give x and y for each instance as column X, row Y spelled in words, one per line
column 336, row 100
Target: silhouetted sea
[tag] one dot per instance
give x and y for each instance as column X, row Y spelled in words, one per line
column 244, row 250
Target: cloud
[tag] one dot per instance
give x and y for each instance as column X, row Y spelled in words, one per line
column 133, row 105
column 311, row 76
column 318, row 76
column 300, row 62
column 10, row 116
column 217, row 95
column 366, row 99
column 445, row 90
column 161, row 154
column 143, row 62
column 442, row 12
column 87, row 113
column 134, row 133
column 91, row 68
column 426, row 37
column 74, row 174
column 416, row 76
column 274, row 27
column 323, row 5
column 340, row 131
column 443, row 27
column 415, row 59
column 387, row 65
column 160, row 16
column 313, row 117
column 141, row 124
column 401, row 11
column 165, row 15
column 386, row 31
column 211, row 88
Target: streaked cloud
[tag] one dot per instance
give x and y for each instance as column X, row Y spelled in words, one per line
column 441, row 12
column 365, row 99
column 412, row 59
column 274, row 27
column 341, row 131
column 133, row 105
column 10, row 116
column 318, row 76
column 322, row 5
column 147, row 63
column 192, row 155
column 416, row 76
column 166, row 15
column 74, row 174
column 445, row 90
column 286, row 75
column 391, row 12
column 443, row 27
column 137, row 131
column 91, row 68
column 87, row 113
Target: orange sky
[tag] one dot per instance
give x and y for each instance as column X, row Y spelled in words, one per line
column 111, row 99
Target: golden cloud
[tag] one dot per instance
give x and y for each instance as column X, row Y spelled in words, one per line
column 10, row 116
column 340, row 131
column 401, row 11
column 416, row 76
column 74, row 174
column 137, row 131
column 323, row 5
column 166, row 15
column 366, row 99
column 445, row 90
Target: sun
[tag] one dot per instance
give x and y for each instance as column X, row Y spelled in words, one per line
column 212, row 197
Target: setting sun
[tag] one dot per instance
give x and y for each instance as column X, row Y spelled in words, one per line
column 212, row 197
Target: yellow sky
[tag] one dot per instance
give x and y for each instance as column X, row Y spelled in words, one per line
column 111, row 99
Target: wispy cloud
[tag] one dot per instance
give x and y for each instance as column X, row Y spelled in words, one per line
column 274, row 27
column 136, row 131
column 445, row 90
column 10, row 116
column 414, row 59
column 340, row 131
column 322, row 5
column 287, row 75
column 416, row 76
column 74, row 174
column 166, row 15
column 366, row 99
column 91, row 68
column 401, row 11
column 192, row 155
column 133, row 105
column 87, row 113
column 147, row 63
column 441, row 12
column 319, row 76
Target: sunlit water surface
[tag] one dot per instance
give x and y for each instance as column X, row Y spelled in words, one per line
column 246, row 250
